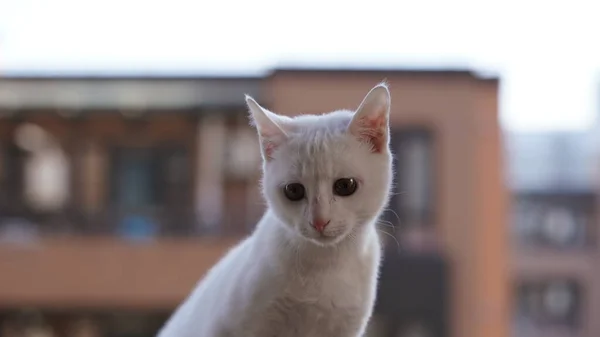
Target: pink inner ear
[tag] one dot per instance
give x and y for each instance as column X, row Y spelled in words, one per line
column 372, row 130
column 270, row 141
column 268, row 148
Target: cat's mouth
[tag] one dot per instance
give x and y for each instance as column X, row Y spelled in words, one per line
column 326, row 237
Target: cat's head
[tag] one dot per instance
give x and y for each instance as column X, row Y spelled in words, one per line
column 327, row 176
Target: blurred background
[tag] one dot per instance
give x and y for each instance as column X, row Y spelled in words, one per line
column 127, row 166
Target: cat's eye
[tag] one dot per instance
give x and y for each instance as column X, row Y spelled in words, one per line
column 294, row 191
column 345, row 187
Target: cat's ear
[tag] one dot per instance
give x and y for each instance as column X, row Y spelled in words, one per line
column 370, row 122
column 269, row 126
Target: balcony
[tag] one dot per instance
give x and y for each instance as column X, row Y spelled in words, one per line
column 104, row 272
column 137, row 260
column 133, row 224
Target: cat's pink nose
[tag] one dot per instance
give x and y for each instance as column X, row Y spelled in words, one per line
column 320, row 224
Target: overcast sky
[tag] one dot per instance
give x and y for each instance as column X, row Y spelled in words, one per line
column 547, row 54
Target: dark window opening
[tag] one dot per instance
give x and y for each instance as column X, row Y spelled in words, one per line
column 558, row 220
column 412, row 197
column 12, row 180
column 151, row 190
column 548, row 303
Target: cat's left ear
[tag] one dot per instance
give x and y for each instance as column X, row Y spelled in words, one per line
column 370, row 123
column 270, row 128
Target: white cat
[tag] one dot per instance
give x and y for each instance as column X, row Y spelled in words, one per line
column 310, row 267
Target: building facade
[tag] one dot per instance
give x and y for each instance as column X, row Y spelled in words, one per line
column 117, row 194
column 556, row 277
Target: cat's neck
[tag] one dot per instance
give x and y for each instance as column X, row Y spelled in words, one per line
column 273, row 236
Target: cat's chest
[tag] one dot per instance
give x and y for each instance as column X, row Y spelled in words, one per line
column 317, row 308
column 341, row 287
column 343, row 283
column 315, row 303
column 291, row 317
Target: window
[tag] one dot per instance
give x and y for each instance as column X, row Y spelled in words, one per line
column 178, row 217
column 412, row 199
column 151, row 187
column 176, row 175
column 559, row 226
column 548, row 303
column 554, row 219
column 12, row 180
column 136, row 181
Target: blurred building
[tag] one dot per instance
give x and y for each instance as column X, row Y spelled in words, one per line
column 556, row 275
column 117, row 194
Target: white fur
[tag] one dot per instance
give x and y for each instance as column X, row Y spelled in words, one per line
column 287, row 279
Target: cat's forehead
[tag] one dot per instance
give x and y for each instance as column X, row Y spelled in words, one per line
column 320, row 136
column 316, row 156
column 320, row 146
column 333, row 122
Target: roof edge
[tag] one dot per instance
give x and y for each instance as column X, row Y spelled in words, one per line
column 442, row 71
column 128, row 77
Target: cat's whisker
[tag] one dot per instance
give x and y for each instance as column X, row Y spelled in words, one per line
column 392, row 236
column 396, row 193
column 385, row 223
column 393, row 212
column 393, row 228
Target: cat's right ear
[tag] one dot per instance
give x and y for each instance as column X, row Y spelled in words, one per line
column 370, row 122
column 269, row 127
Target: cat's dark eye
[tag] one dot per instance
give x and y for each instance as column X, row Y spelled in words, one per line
column 294, row 191
column 345, row 187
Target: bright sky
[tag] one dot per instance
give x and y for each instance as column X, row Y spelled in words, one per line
column 548, row 53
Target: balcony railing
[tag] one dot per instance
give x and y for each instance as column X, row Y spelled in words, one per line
column 140, row 225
